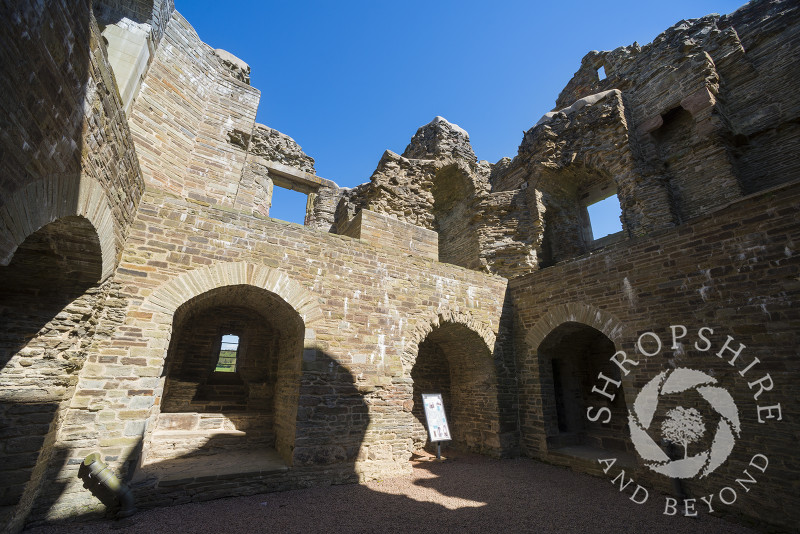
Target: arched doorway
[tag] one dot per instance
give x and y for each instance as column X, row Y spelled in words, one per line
column 49, row 301
column 454, row 360
column 231, row 379
column 571, row 357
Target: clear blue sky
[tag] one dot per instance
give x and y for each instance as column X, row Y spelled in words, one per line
column 348, row 80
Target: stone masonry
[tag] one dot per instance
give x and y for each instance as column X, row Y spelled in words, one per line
column 135, row 234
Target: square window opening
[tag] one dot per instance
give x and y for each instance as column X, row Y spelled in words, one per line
column 605, row 217
column 288, row 205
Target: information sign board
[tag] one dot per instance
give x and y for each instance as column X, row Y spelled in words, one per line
column 434, row 414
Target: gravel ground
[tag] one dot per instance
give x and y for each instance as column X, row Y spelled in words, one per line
column 462, row 494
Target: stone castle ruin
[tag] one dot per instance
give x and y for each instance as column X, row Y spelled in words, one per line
column 152, row 311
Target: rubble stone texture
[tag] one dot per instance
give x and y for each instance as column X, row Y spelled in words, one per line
column 135, row 233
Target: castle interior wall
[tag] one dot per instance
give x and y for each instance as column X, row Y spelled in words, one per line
column 134, row 234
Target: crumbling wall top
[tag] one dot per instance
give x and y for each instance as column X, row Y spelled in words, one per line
column 440, row 138
column 280, row 148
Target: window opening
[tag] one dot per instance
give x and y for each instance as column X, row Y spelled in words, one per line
column 601, row 73
column 604, row 217
column 228, row 350
column 288, row 205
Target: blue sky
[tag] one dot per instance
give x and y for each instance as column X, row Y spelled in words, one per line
column 348, row 80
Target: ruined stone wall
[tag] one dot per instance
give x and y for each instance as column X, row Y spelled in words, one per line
column 354, row 329
column 199, row 101
column 764, row 122
column 734, row 271
column 365, row 310
column 280, row 148
column 672, row 129
column 438, row 184
column 69, row 189
column 267, row 146
column 719, row 87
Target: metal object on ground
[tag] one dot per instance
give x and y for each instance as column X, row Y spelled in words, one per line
column 100, row 473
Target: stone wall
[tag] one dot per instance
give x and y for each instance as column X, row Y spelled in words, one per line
column 154, row 13
column 69, row 190
column 64, row 156
column 735, row 271
column 131, row 31
column 133, row 245
column 280, row 148
column 365, row 310
column 383, row 230
column 190, row 93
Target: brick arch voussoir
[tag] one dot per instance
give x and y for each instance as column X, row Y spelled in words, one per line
column 168, row 297
column 39, row 203
column 575, row 312
column 425, row 325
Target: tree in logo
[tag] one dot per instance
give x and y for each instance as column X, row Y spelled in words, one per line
column 683, row 426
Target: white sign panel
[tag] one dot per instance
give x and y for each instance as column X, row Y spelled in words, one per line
column 434, row 414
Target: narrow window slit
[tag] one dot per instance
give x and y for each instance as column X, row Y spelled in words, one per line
column 229, row 349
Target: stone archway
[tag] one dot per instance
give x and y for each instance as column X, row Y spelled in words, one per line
column 574, row 331
column 570, row 360
column 42, row 202
column 575, row 312
column 263, row 302
column 166, row 299
column 250, row 403
column 50, row 298
column 453, row 358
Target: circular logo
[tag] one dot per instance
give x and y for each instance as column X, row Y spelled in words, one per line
column 683, row 426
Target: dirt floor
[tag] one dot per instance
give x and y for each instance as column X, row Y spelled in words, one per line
column 462, row 494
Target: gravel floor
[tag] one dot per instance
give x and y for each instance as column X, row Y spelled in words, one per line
column 463, row 494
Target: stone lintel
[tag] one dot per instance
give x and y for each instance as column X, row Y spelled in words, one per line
column 698, row 101
column 291, row 178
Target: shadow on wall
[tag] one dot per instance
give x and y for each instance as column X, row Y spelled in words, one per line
column 48, row 302
column 332, row 419
column 48, row 269
column 43, row 88
column 331, row 422
column 59, row 479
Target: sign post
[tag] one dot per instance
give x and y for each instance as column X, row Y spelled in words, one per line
column 437, row 421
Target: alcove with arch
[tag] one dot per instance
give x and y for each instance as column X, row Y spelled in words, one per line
column 231, row 384
column 571, row 358
column 50, row 294
column 455, row 360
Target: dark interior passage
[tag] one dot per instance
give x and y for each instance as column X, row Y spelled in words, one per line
column 571, row 358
